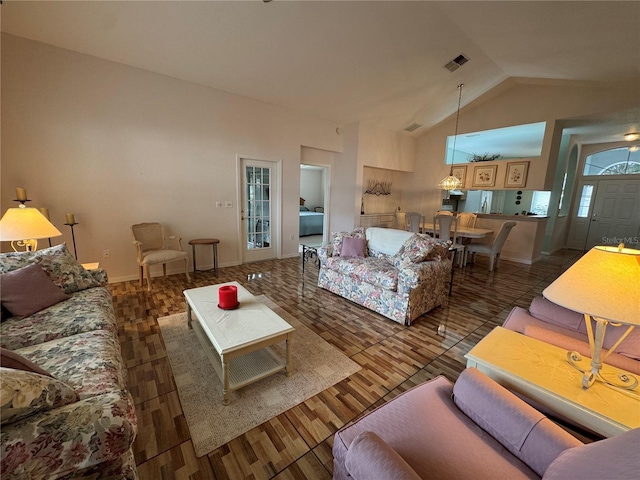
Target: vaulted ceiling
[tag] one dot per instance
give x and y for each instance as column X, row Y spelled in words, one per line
column 374, row 61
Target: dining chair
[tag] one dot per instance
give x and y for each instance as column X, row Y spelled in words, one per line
column 445, row 212
column 492, row 249
column 467, row 219
column 412, row 221
column 446, row 228
column 153, row 248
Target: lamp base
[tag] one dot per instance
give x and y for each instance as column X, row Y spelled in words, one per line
column 30, row 245
column 591, row 374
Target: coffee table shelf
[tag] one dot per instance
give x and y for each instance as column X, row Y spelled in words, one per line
column 244, row 369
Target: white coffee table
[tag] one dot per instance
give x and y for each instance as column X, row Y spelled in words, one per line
column 237, row 341
column 540, row 371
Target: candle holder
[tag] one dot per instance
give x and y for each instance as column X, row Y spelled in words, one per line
column 22, row 202
column 73, row 238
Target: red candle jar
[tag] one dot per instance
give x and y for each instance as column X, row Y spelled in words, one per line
column 228, row 297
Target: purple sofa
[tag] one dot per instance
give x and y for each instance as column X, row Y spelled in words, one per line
column 474, row 429
column 566, row 329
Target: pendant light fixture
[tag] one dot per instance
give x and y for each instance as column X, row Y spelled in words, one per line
column 452, row 182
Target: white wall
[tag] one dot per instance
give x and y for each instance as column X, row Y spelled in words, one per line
column 311, row 188
column 118, row 145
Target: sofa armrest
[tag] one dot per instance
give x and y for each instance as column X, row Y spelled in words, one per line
column 370, row 457
column 70, row 438
column 324, row 252
column 412, row 275
column 100, row 275
column 520, row 428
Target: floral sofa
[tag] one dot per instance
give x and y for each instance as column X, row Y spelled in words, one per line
column 398, row 274
column 66, row 412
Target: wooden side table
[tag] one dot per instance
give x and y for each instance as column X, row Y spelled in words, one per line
column 540, row 371
column 205, row 241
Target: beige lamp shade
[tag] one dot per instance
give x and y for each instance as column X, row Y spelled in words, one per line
column 26, row 223
column 604, row 283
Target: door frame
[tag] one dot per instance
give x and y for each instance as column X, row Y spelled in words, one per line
column 276, row 203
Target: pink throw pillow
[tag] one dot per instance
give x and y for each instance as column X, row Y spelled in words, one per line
column 28, row 290
column 353, row 247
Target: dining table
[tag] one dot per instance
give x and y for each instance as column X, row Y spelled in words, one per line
column 466, row 232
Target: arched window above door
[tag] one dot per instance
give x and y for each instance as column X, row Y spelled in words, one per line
column 614, row 161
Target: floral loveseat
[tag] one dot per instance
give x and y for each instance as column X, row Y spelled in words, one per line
column 66, row 412
column 398, row 274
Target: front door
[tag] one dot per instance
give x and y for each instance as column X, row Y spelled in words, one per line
column 259, row 232
column 607, row 213
column 616, row 214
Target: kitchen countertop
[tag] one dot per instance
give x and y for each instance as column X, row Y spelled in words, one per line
column 519, row 218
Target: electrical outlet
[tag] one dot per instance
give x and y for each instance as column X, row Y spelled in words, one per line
column 218, row 204
column 106, row 253
column 228, row 204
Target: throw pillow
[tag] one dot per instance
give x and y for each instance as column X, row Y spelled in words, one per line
column 10, row 359
column 60, row 265
column 338, row 237
column 25, row 393
column 28, row 290
column 353, row 247
column 415, row 249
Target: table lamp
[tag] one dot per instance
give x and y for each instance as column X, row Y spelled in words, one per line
column 23, row 226
column 604, row 285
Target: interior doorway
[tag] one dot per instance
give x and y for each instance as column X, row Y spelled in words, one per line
column 314, row 205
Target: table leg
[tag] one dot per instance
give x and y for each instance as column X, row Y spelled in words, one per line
column 189, row 316
column 225, row 381
column 289, row 368
column 193, row 251
column 215, row 259
column 453, row 263
column 304, row 255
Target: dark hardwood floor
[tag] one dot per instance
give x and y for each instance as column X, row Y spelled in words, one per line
column 297, row 444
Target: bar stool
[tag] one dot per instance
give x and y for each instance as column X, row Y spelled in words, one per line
column 205, row 241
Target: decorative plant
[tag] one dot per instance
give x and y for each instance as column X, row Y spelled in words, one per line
column 487, row 157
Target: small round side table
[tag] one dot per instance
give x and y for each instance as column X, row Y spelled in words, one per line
column 205, row 241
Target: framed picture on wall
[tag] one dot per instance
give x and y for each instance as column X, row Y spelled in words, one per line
column 516, row 176
column 484, row 176
column 460, row 173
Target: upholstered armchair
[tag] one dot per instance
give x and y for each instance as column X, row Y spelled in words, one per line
column 153, row 248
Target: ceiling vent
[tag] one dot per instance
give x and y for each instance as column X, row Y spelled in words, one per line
column 456, row 63
column 412, row 127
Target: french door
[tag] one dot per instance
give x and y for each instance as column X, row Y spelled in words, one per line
column 259, row 212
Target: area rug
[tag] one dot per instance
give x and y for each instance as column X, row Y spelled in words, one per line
column 317, row 365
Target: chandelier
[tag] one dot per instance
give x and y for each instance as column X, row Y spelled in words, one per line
column 452, row 182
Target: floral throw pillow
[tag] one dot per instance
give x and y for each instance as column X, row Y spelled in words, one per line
column 439, row 248
column 338, row 237
column 25, row 393
column 415, row 249
column 57, row 262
